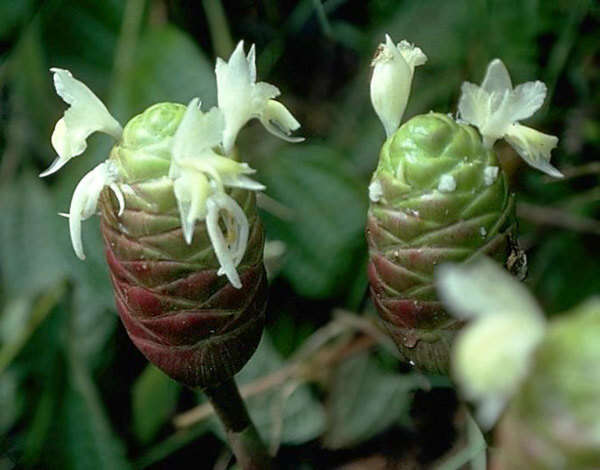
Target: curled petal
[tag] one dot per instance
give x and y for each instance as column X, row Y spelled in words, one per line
column 393, row 68
column 229, row 249
column 279, row 121
column 87, row 114
column 85, row 200
column 534, row 147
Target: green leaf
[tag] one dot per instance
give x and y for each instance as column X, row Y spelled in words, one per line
column 154, row 398
column 281, row 414
column 30, row 252
column 328, row 208
column 12, row 401
column 85, row 439
column 365, row 400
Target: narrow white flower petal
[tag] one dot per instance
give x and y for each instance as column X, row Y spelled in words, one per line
column 191, row 191
column 279, row 121
column 119, row 194
column 197, row 131
column 243, row 182
column 393, row 68
column 497, row 78
column 87, row 114
column 534, row 147
column 85, row 200
column 219, row 243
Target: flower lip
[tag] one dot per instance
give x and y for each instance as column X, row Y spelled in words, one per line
column 85, row 115
column 85, row 199
column 495, row 108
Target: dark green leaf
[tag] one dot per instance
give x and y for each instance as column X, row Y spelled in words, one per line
column 154, row 398
column 328, row 209
column 365, row 400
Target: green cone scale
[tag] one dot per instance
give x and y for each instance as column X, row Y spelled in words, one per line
column 552, row 422
column 184, row 317
column 437, row 195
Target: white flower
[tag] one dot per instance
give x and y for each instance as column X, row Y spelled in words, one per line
column 393, row 69
column 85, row 199
column 241, row 99
column 495, row 109
column 200, row 176
column 87, row 114
column 492, row 354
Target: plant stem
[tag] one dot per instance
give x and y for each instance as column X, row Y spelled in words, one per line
column 245, row 442
column 219, row 30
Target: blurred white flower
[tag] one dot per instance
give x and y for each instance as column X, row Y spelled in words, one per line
column 241, row 99
column 87, row 114
column 85, row 199
column 393, row 69
column 492, row 354
column 495, row 109
column 200, row 176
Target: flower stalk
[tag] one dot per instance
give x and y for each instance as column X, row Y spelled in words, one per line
column 249, row 449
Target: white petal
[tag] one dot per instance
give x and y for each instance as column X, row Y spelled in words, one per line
column 497, row 78
column 413, row 55
column 491, row 357
column 526, row 99
column 482, row 288
column 279, row 121
column 191, row 191
column 223, row 252
column 85, row 200
column 87, row 114
column 243, row 182
column 534, row 147
column 474, row 105
column 197, row 131
column 393, row 68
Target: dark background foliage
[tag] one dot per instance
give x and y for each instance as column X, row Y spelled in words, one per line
column 325, row 387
